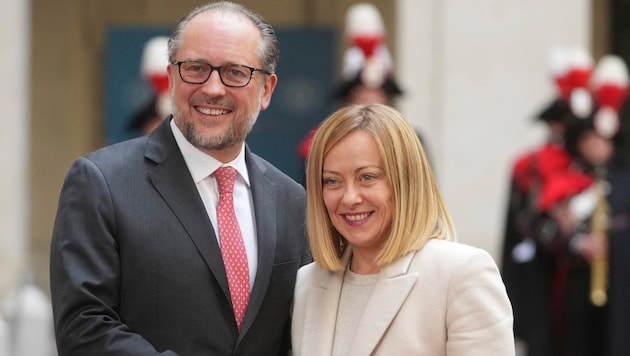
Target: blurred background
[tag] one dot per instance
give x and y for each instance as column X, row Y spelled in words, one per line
column 474, row 74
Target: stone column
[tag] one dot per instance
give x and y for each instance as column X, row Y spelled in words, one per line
column 25, row 313
column 14, row 140
column 475, row 75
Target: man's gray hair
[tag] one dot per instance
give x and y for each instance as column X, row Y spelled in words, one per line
column 268, row 51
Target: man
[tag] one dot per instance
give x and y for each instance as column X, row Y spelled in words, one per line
column 527, row 267
column 137, row 266
column 527, row 262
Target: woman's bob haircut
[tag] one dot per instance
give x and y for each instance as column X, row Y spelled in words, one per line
column 419, row 211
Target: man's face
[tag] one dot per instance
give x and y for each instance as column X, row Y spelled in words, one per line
column 595, row 149
column 213, row 117
column 366, row 95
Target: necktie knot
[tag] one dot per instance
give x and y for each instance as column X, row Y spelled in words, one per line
column 225, row 176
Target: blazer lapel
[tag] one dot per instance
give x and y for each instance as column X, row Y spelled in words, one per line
column 321, row 316
column 389, row 294
column 171, row 178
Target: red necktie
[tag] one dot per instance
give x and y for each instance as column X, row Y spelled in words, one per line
column 232, row 245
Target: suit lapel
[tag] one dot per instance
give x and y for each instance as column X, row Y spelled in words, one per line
column 264, row 200
column 389, row 294
column 171, row 178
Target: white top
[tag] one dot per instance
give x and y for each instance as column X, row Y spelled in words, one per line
column 355, row 293
column 201, row 167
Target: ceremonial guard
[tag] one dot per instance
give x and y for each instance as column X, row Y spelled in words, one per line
column 562, row 260
column 527, row 262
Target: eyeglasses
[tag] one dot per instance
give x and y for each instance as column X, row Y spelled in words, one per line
column 231, row 75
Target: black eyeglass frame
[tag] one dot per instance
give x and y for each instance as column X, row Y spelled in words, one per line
column 218, row 69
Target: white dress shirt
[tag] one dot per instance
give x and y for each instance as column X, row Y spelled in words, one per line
column 201, row 167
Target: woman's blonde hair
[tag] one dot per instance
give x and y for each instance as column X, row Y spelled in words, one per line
column 419, row 211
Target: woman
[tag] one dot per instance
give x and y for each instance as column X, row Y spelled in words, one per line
column 388, row 278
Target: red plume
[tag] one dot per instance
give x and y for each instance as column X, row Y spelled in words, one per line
column 610, row 86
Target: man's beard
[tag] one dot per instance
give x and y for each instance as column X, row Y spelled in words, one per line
column 235, row 134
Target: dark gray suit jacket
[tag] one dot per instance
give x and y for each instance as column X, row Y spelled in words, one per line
column 135, row 265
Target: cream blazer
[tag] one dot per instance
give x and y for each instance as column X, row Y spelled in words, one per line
column 447, row 299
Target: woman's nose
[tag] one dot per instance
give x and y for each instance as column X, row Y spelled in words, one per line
column 352, row 195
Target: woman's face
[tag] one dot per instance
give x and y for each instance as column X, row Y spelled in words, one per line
column 356, row 192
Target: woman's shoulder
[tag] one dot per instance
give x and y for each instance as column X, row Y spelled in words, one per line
column 308, row 269
column 451, row 246
column 451, row 253
column 311, row 273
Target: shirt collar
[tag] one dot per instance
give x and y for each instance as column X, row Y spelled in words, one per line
column 201, row 164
